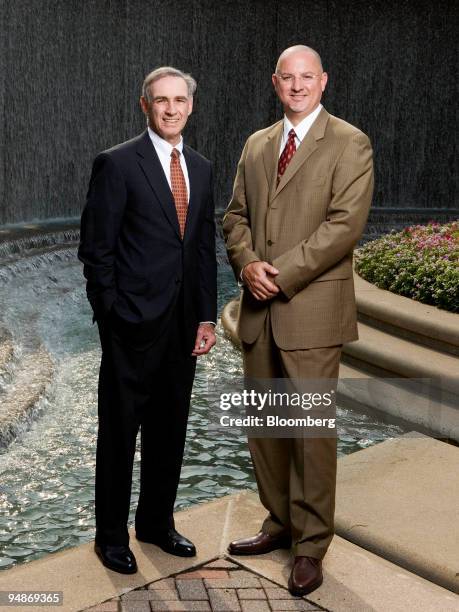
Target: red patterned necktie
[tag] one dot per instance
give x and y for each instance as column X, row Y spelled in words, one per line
column 286, row 155
column 179, row 191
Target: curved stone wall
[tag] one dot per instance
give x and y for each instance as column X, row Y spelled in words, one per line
column 26, row 367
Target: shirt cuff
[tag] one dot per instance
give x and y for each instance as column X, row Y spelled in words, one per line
column 211, row 322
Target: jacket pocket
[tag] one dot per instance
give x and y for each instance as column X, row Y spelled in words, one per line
column 332, row 276
column 310, row 182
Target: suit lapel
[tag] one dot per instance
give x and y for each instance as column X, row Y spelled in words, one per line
column 271, row 156
column 307, row 147
column 151, row 166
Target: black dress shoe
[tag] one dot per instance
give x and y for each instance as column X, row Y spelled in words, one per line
column 170, row 541
column 117, row 558
column 259, row 544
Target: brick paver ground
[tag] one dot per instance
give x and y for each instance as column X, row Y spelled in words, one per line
column 218, row 586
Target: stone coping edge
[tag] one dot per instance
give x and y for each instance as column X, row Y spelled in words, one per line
column 389, row 497
column 437, row 417
column 368, row 353
column 19, row 231
column 405, row 313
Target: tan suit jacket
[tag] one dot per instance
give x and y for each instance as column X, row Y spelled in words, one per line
column 306, row 227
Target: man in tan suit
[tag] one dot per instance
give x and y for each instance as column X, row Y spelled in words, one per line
column 300, row 203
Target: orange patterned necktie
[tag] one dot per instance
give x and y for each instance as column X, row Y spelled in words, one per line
column 287, row 154
column 179, row 191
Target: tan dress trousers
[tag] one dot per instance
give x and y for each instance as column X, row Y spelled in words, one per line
column 296, row 477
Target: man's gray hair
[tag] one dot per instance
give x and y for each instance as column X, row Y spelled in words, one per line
column 165, row 71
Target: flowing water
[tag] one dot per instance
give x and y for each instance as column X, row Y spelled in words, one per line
column 47, row 473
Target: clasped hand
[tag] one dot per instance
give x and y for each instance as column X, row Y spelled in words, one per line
column 259, row 278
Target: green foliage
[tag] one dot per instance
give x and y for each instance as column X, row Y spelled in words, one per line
column 421, row 262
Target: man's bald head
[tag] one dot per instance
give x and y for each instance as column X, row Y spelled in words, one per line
column 298, row 49
column 299, row 81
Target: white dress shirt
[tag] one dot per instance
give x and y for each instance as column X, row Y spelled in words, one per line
column 300, row 130
column 164, row 150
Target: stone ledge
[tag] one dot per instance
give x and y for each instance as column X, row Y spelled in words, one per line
column 229, row 321
column 425, row 322
column 403, row 316
column 24, row 231
column 382, row 396
column 381, row 355
column 400, row 500
column 403, row 358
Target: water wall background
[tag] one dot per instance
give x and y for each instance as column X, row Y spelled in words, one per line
column 71, row 70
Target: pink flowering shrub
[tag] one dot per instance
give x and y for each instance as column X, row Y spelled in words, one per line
column 420, row 262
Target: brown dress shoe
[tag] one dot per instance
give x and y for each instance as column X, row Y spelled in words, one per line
column 259, row 545
column 306, row 576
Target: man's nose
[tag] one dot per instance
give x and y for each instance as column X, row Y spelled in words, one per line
column 171, row 110
column 297, row 83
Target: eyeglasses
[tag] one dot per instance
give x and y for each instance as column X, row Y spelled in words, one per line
column 306, row 78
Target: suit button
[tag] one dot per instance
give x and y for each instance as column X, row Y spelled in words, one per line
column 177, row 281
column 269, row 243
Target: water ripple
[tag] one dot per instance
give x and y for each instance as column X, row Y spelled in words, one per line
column 47, row 474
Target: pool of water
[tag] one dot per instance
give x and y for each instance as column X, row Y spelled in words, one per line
column 47, row 473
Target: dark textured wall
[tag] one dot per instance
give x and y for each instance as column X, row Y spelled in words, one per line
column 70, row 74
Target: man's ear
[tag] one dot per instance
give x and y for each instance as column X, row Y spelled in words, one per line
column 190, row 105
column 143, row 104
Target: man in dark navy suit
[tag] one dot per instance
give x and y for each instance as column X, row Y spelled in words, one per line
column 148, row 249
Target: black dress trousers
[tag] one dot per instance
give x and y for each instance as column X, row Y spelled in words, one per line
column 143, row 383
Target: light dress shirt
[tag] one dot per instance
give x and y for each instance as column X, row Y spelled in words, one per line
column 300, row 130
column 164, row 150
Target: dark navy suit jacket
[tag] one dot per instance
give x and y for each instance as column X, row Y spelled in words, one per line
column 135, row 262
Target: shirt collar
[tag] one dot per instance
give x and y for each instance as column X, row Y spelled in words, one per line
column 303, row 127
column 161, row 144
